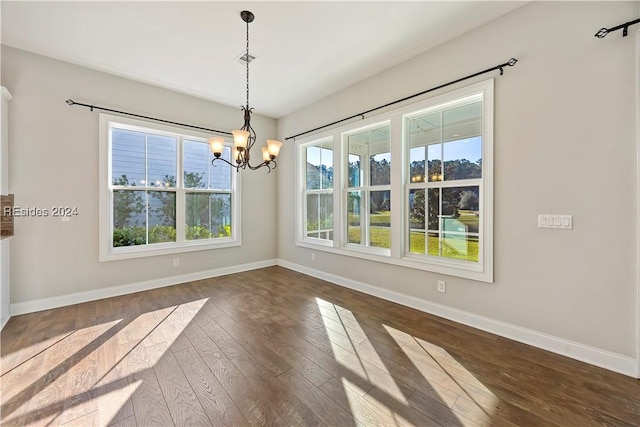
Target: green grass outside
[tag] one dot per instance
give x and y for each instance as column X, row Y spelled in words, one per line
column 381, row 237
column 382, row 218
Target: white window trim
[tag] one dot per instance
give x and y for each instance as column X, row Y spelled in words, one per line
column 301, row 204
column 482, row 270
column 344, row 166
column 107, row 252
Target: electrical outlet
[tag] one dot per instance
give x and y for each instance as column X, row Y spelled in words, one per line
column 176, row 262
column 442, row 286
column 313, row 257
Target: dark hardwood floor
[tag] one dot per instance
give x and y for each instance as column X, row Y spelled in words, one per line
column 275, row 347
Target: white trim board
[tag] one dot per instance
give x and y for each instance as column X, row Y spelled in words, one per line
column 584, row 353
column 80, row 297
column 638, row 203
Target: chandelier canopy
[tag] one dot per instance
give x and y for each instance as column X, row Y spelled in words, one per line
column 245, row 137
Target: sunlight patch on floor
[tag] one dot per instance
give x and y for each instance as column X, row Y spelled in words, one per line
column 369, row 410
column 90, row 369
column 347, row 355
column 444, row 372
column 114, row 400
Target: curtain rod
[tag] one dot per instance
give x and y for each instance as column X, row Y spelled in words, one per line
column 71, row 102
column 602, row 32
column 510, row 63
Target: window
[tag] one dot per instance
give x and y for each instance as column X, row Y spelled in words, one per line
column 160, row 192
column 444, row 180
column 318, row 190
column 368, row 210
column 430, row 208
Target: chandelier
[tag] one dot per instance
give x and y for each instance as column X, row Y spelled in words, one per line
column 245, row 137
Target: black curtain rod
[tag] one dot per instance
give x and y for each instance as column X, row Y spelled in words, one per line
column 602, row 32
column 509, row 63
column 92, row 107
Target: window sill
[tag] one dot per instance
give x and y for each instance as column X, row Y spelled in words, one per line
column 450, row 268
column 165, row 249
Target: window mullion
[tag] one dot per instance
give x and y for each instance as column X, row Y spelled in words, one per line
column 146, row 184
column 180, row 193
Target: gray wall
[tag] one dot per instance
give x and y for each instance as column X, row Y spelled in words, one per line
column 53, row 155
column 565, row 143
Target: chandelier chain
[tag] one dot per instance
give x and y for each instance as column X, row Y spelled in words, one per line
column 247, row 64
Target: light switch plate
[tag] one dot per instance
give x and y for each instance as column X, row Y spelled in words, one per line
column 564, row 222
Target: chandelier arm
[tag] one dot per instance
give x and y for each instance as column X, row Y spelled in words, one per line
column 259, row 166
column 236, row 167
column 253, row 134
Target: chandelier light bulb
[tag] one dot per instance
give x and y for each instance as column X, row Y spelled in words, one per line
column 240, row 138
column 216, row 144
column 265, row 154
column 274, row 147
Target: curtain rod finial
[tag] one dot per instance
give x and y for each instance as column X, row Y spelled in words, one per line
column 70, row 101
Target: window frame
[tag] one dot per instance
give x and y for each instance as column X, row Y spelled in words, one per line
column 400, row 183
column 107, row 252
column 365, row 221
column 301, row 203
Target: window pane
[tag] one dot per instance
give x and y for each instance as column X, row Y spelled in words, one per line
column 372, row 145
column 326, row 156
column 320, row 216
column 199, row 172
column 381, row 169
column 313, row 168
column 434, row 161
column 463, row 159
column 460, row 246
column 380, row 219
column 433, row 209
column 461, row 204
column 196, row 164
column 380, row 161
column 208, row 215
column 433, row 244
column 355, row 177
column 128, row 157
column 355, row 205
column 425, row 130
column 416, row 164
column 161, row 161
column 220, row 172
column 462, row 132
column 221, row 215
column 462, row 122
column 416, row 221
column 460, row 222
column 162, row 216
column 424, row 135
column 129, row 218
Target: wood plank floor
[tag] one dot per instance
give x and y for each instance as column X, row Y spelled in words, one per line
column 275, row 347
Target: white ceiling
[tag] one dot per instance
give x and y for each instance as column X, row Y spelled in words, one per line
column 305, row 50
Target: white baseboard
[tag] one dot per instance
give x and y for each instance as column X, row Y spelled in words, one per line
column 80, row 297
column 584, row 353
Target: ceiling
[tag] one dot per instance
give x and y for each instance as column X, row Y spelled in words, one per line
column 304, row 50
